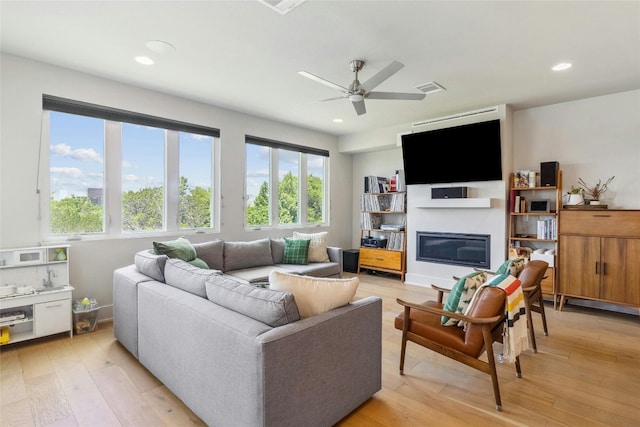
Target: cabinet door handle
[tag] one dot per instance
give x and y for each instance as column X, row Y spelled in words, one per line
column 597, row 265
column 53, row 306
column 604, row 268
column 601, row 216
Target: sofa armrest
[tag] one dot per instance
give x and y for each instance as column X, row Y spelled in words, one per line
column 333, row 361
column 335, row 255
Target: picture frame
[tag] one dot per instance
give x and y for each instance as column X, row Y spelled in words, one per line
column 521, row 178
column 539, row 206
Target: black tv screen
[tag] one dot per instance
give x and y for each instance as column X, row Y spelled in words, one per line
column 463, row 153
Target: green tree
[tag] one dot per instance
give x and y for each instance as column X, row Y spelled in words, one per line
column 258, row 211
column 143, row 209
column 314, row 199
column 195, row 206
column 288, row 199
column 74, row 215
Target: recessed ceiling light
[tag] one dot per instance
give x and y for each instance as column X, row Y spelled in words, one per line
column 160, row 46
column 144, row 60
column 337, row 120
column 561, row 66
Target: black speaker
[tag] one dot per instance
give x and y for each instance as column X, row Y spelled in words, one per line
column 548, row 174
column 449, row 193
column 350, row 260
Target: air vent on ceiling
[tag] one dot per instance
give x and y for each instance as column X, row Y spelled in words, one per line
column 455, row 116
column 282, row 6
column 430, row 87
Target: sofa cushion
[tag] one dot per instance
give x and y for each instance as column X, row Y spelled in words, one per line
column 296, row 251
column 461, row 294
column 239, row 255
column 317, row 245
column 180, row 248
column 150, row 264
column 315, row 295
column 255, row 274
column 211, row 252
column 316, row 269
column 272, row 307
column 182, row 275
column 277, row 250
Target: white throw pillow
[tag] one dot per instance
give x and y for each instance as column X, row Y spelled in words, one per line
column 317, row 246
column 315, row 295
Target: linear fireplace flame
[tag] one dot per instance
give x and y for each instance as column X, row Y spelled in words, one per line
column 473, row 250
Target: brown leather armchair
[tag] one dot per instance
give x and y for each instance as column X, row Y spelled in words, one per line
column 421, row 324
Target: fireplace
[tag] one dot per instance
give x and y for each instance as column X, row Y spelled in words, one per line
column 473, row 250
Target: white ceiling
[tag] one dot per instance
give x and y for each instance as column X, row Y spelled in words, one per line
column 244, row 56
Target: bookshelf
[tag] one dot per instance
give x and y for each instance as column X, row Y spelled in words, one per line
column 533, row 224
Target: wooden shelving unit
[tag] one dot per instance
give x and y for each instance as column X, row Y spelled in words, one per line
column 383, row 216
column 524, row 231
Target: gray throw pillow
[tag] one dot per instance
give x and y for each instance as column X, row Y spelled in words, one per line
column 182, row 275
column 274, row 308
column 239, row 255
column 211, row 252
column 277, row 250
column 150, row 264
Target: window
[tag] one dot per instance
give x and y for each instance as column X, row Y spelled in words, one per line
column 115, row 172
column 284, row 181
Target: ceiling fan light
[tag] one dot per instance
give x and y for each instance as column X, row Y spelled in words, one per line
column 356, row 97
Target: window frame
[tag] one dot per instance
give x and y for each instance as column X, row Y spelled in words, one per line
column 274, row 179
column 112, row 193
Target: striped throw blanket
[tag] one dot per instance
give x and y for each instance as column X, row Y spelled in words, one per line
column 516, row 338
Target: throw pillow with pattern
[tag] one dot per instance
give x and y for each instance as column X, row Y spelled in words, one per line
column 296, row 251
column 461, row 295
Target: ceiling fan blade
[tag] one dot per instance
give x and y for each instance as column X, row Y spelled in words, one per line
column 359, row 106
column 323, row 81
column 395, row 95
column 333, row 99
column 381, row 76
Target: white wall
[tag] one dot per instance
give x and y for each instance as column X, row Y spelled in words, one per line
column 592, row 138
column 92, row 262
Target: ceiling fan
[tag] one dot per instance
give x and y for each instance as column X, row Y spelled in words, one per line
column 357, row 92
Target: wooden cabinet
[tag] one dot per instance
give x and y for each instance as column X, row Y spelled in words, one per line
column 383, row 232
column 600, row 256
column 36, row 295
column 533, row 225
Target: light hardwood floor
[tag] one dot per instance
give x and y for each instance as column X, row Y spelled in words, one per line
column 586, row 373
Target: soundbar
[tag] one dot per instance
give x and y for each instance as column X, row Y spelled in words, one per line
column 449, row 193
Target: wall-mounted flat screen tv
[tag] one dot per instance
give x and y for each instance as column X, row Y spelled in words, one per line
column 463, row 153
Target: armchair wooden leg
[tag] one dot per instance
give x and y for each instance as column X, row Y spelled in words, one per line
column 544, row 318
column 403, row 346
column 440, row 297
column 532, row 335
column 492, row 366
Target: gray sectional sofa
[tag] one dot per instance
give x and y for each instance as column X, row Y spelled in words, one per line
column 239, row 355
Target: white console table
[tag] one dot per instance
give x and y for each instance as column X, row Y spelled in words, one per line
column 36, row 297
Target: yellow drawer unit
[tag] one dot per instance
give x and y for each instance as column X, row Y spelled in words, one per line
column 381, row 259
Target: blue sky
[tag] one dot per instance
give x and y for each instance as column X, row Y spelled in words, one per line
column 77, row 156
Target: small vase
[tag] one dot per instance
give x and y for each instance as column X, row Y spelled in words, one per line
column 575, row 199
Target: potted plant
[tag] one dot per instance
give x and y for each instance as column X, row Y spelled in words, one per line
column 595, row 192
column 574, row 196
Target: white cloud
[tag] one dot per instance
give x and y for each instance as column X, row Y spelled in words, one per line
column 69, row 172
column 81, row 154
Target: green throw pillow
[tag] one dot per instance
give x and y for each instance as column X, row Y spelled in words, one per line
column 296, row 251
column 197, row 262
column 180, row 248
column 461, row 295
